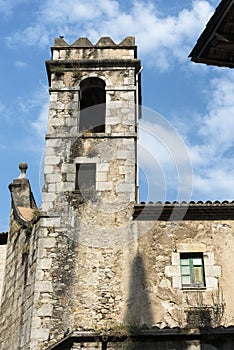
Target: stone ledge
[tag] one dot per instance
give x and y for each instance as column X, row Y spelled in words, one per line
column 92, row 135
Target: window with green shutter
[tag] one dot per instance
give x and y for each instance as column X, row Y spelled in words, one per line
column 192, row 270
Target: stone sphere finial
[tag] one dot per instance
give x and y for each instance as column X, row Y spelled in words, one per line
column 23, row 168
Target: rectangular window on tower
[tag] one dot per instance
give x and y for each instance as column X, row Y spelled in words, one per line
column 192, row 270
column 85, row 178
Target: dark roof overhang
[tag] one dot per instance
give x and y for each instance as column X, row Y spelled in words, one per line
column 152, row 335
column 3, row 238
column 215, row 45
column 184, row 211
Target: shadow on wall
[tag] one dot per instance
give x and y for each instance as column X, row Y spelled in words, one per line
column 139, row 316
column 224, row 343
column 159, row 345
column 208, row 347
column 139, row 313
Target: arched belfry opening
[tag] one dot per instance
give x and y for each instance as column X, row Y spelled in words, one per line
column 92, row 105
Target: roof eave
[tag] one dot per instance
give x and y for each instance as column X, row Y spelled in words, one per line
column 209, row 33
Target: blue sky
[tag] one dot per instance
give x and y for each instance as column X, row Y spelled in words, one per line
column 195, row 102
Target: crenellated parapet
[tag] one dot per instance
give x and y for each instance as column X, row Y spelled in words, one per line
column 103, row 41
column 82, row 54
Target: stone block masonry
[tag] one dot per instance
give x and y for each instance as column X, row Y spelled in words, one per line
column 80, row 256
column 2, row 265
column 84, row 271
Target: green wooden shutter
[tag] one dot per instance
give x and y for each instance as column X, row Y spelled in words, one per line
column 192, row 270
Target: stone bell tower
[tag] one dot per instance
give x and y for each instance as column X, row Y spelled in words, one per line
column 92, row 131
column 90, row 188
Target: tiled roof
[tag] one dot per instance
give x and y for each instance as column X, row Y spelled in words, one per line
column 169, row 211
column 190, row 203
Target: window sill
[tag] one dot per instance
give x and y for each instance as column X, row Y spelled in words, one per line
column 107, row 135
column 193, row 289
column 91, row 134
column 78, row 192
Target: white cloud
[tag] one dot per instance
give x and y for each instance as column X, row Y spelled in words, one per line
column 162, row 39
column 218, row 124
column 40, row 124
column 33, row 113
column 20, row 64
column 34, row 100
column 7, row 6
column 2, row 107
column 214, row 184
column 60, row 12
column 163, row 158
column 213, row 157
column 211, row 147
column 39, row 103
column 6, row 113
column 36, row 35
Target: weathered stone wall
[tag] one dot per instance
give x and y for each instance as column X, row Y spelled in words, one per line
column 18, row 289
column 53, row 300
column 159, row 250
column 2, row 267
column 78, row 286
column 115, row 170
column 114, row 152
column 124, row 286
column 78, row 227
column 104, row 49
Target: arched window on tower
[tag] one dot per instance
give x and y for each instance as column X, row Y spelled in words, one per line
column 92, row 105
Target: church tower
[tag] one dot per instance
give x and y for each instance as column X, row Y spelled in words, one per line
column 90, row 160
column 69, row 277
column 92, row 268
column 90, row 188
